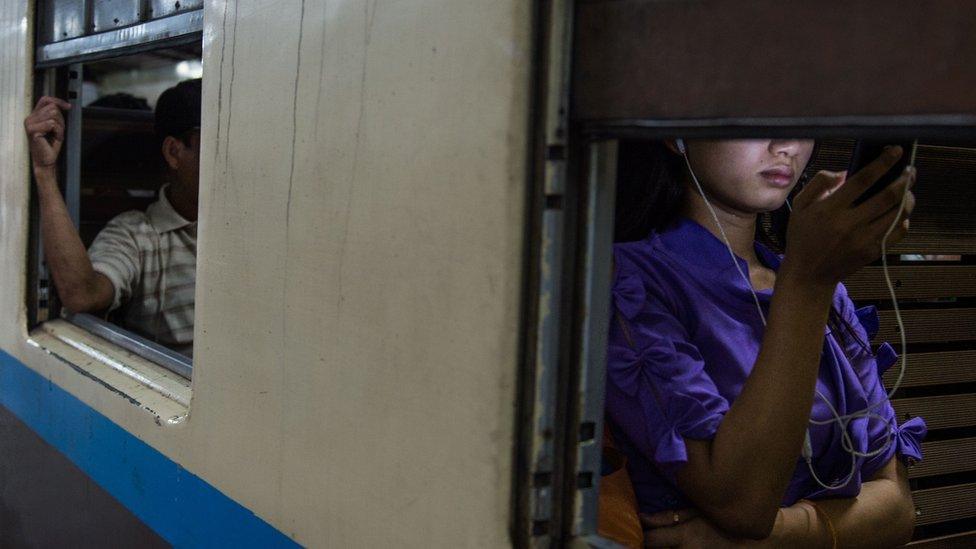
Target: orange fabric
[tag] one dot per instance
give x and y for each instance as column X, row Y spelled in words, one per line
column 617, row 518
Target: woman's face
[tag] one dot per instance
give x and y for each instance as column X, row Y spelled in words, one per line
column 749, row 175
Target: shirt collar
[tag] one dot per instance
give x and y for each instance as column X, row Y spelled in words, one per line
column 696, row 245
column 162, row 215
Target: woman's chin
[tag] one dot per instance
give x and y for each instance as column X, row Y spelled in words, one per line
column 771, row 203
column 774, row 207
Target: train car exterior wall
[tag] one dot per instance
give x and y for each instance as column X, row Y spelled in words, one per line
column 363, row 175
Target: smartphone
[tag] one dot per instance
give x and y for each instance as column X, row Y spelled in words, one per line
column 866, row 152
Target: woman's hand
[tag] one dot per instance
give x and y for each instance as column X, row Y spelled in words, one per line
column 684, row 528
column 829, row 238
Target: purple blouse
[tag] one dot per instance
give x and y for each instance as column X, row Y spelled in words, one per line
column 692, row 336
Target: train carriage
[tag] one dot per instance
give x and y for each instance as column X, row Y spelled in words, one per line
column 405, row 219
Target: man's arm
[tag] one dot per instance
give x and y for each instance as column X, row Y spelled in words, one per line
column 80, row 287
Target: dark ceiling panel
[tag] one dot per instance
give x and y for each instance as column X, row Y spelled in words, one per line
column 665, row 60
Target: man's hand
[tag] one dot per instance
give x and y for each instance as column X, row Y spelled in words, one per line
column 684, row 528
column 45, row 132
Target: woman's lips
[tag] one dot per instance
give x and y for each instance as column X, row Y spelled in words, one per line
column 781, row 177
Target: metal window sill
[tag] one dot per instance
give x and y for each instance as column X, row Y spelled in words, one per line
column 143, row 383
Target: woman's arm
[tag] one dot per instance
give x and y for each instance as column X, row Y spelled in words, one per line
column 881, row 516
column 739, row 477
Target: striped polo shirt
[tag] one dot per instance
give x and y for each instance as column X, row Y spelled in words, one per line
column 151, row 259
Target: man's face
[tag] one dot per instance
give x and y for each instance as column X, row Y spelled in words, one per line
column 183, row 157
column 188, row 171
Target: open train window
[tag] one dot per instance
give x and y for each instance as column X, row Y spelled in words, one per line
column 133, row 208
column 607, row 88
column 930, row 270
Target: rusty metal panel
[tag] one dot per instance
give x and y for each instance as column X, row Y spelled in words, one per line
column 180, row 28
column 714, row 59
column 162, row 8
column 112, row 14
column 61, row 20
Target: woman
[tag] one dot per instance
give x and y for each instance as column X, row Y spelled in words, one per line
column 714, row 362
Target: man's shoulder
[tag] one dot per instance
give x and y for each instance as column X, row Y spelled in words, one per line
column 132, row 226
column 132, row 220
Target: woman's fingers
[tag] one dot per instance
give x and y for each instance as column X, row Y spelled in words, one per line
column 879, row 227
column 869, row 241
column 862, row 180
column 891, row 197
column 822, row 184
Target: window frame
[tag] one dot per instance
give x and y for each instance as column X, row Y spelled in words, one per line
column 59, row 70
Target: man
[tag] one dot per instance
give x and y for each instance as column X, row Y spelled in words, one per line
column 142, row 264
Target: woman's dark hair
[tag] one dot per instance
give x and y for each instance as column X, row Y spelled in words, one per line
column 649, row 189
column 651, row 193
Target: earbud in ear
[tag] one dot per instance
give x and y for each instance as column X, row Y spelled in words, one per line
column 680, row 143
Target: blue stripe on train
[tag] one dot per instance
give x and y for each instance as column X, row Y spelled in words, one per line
column 181, row 507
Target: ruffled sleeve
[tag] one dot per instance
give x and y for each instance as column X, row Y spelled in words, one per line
column 909, row 437
column 658, row 393
column 870, row 367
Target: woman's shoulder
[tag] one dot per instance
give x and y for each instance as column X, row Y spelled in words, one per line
column 645, row 258
column 642, row 268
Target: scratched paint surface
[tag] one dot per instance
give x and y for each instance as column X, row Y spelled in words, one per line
column 362, row 210
column 14, row 45
column 363, row 224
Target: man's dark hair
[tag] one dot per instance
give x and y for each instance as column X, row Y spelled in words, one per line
column 178, row 110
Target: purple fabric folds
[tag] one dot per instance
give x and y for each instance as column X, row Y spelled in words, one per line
column 684, row 335
column 910, row 437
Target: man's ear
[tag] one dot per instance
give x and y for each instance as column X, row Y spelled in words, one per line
column 172, row 147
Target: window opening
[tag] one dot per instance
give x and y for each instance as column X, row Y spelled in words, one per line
column 111, row 172
column 930, row 272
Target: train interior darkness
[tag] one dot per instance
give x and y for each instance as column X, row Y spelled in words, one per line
column 121, row 165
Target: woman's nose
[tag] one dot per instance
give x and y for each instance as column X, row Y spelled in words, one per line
column 790, row 147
